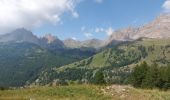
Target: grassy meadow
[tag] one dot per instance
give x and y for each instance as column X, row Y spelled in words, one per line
column 74, row 92
column 84, row 92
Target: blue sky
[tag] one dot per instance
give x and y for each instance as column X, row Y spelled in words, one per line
column 83, row 19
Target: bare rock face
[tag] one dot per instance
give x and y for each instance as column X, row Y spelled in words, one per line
column 159, row 28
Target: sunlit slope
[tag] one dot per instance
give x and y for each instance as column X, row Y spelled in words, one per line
column 115, row 62
column 149, row 50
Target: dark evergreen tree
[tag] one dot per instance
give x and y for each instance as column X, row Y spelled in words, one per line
column 99, row 78
column 152, row 77
column 166, row 77
column 138, row 75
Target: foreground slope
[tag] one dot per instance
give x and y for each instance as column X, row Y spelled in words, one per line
column 77, row 92
column 84, row 92
column 115, row 62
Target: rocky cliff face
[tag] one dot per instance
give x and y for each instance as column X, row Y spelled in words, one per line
column 159, row 28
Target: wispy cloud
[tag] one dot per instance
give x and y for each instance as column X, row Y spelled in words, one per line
column 31, row 13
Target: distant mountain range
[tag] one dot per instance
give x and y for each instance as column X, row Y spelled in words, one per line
column 159, row 28
column 23, row 35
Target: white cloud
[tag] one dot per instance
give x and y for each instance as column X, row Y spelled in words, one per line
column 74, row 38
column 109, row 31
column 166, row 6
column 98, row 30
column 98, row 1
column 31, row 13
column 88, row 35
column 75, row 14
column 92, row 32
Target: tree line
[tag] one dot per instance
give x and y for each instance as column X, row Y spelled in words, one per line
column 150, row 76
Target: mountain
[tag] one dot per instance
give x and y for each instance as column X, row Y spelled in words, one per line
column 23, row 35
column 92, row 43
column 71, row 43
column 22, row 62
column 47, row 41
column 116, row 62
column 19, row 35
column 24, row 56
column 159, row 28
column 51, row 42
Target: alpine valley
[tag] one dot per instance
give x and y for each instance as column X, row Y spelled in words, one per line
column 26, row 59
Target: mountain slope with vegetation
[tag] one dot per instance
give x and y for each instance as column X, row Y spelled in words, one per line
column 23, row 56
column 116, row 63
column 21, row 62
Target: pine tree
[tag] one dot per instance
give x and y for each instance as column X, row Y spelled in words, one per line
column 152, row 77
column 99, row 78
column 139, row 74
column 167, row 78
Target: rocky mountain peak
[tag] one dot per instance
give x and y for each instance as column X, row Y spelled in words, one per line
column 19, row 35
column 50, row 38
column 158, row 28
